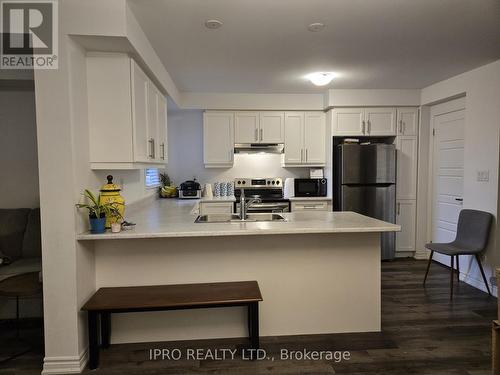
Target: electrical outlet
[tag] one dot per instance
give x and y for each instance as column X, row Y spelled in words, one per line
column 483, row 176
column 493, row 280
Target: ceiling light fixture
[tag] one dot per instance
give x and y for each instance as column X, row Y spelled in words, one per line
column 213, row 24
column 321, row 78
column 315, row 27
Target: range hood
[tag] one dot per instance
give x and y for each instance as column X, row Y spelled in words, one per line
column 250, row 148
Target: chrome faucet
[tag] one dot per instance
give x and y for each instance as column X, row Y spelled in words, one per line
column 244, row 204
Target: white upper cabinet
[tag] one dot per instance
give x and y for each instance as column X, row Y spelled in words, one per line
column 315, row 138
column 348, row 121
column 124, row 114
column 259, row 127
column 162, row 155
column 140, row 84
column 407, row 122
column 380, row 121
column 374, row 122
column 218, row 139
column 294, row 138
column 305, row 139
column 272, row 127
column 246, row 127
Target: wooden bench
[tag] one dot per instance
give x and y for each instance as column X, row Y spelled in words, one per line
column 107, row 301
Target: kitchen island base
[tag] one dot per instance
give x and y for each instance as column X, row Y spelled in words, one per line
column 310, row 283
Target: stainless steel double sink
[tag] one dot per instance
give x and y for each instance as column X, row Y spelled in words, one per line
column 234, row 218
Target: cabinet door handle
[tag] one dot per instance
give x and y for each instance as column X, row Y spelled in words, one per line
column 162, row 147
column 363, row 128
column 306, row 155
column 261, row 134
column 401, row 126
column 399, row 208
column 256, row 134
column 301, row 154
column 151, row 148
column 459, row 199
column 369, row 127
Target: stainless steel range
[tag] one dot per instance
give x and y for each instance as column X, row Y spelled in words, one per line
column 262, row 195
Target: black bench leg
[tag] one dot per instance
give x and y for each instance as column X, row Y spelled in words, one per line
column 93, row 317
column 253, row 320
column 105, row 329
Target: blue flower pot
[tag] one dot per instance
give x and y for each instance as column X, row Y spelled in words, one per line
column 97, row 225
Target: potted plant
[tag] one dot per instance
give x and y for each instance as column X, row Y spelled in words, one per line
column 98, row 212
column 167, row 190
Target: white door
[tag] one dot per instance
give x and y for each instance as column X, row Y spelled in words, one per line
column 218, row 139
column 448, row 172
column 380, row 121
column 407, row 149
column 140, row 113
column 348, row 121
column 406, row 213
column 272, row 127
column 246, row 127
column 315, row 138
column 162, row 128
column 407, row 123
column 294, row 139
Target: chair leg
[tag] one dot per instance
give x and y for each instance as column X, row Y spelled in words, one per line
column 428, row 266
column 452, row 271
column 458, row 269
column 482, row 273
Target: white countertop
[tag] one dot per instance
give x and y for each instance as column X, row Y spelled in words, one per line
column 217, row 199
column 174, row 218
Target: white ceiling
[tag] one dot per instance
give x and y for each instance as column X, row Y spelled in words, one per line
column 264, row 45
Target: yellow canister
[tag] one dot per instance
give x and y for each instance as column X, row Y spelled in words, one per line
column 110, row 193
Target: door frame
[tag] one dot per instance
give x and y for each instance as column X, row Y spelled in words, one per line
column 449, row 106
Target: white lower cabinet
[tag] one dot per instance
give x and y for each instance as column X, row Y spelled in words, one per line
column 309, row 205
column 406, row 216
column 207, row 208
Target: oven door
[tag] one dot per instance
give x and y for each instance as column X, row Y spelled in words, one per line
column 265, row 207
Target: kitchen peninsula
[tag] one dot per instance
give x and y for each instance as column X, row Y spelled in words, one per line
column 319, row 272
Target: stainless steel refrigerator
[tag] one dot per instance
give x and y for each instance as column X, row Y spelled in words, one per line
column 365, row 182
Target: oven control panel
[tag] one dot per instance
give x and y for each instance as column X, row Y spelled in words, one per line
column 258, row 183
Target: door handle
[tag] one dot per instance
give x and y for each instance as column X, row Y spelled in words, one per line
column 256, row 134
column 401, row 126
column 399, row 208
column 459, row 199
column 301, row 154
column 369, row 126
column 261, row 134
column 363, row 128
column 306, row 155
column 162, row 147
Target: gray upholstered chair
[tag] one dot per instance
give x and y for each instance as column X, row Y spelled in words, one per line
column 473, row 231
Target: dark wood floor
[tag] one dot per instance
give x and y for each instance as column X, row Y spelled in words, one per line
column 423, row 333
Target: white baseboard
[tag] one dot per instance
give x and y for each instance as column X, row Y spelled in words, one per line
column 404, row 254
column 421, row 255
column 65, row 365
column 479, row 284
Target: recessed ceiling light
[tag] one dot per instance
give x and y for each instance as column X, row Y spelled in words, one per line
column 321, row 78
column 315, row 27
column 213, row 24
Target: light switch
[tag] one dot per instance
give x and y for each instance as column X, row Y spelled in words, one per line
column 483, row 176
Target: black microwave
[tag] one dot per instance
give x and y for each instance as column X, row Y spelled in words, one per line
column 310, row 187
